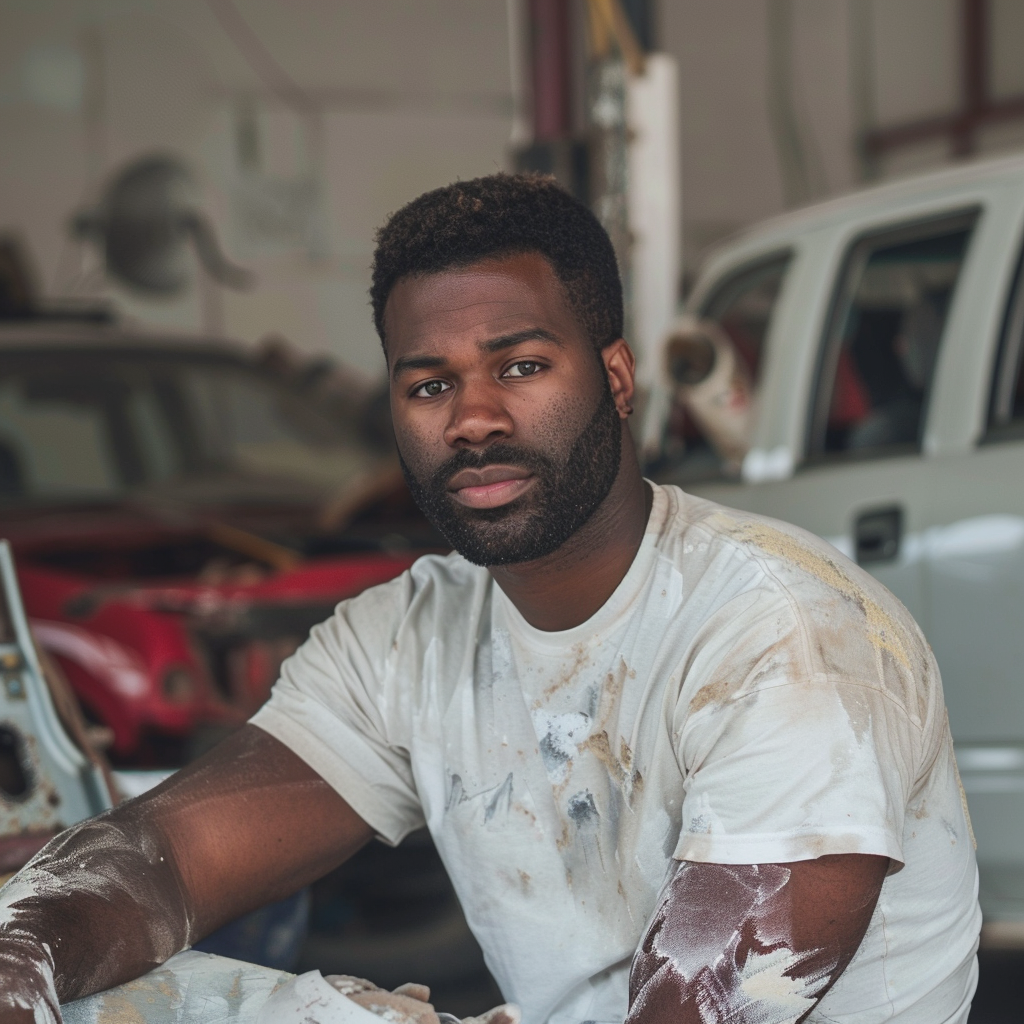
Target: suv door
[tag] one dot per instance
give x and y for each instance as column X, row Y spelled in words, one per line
column 974, row 563
column 863, row 483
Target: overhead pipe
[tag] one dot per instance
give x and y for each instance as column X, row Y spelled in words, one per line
column 551, row 67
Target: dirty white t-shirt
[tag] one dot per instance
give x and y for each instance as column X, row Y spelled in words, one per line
column 746, row 696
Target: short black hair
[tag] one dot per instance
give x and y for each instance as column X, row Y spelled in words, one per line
column 501, row 215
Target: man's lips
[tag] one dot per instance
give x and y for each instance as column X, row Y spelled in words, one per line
column 491, row 486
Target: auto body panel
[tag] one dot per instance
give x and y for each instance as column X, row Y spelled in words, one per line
column 117, row 644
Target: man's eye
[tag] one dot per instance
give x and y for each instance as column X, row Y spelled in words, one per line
column 526, row 368
column 432, row 389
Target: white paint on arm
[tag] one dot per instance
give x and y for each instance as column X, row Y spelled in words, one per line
column 721, row 948
column 93, row 866
column 26, row 964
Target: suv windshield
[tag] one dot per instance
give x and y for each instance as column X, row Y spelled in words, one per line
column 88, row 424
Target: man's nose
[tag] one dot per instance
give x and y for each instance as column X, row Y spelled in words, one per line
column 479, row 415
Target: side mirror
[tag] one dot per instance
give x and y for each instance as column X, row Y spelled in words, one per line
column 712, row 383
column 689, row 357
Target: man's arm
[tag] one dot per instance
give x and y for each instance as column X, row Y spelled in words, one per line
column 752, row 943
column 115, row 896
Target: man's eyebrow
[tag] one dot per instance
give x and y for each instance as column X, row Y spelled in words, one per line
column 407, row 363
column 530, row 334
column 416, row 363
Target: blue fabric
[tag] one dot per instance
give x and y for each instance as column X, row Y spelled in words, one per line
column 271, row 936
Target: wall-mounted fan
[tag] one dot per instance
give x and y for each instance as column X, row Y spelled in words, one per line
column 147, row 225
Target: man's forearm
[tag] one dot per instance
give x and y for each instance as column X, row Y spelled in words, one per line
column 100, row 904
column 27, row 992
column 109, row 899
column 752, row 944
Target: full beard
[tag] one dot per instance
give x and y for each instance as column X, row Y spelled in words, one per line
column 566, row 494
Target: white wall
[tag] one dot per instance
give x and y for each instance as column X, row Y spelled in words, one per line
column 853, row 64
column 415, row 93
column 412, row 94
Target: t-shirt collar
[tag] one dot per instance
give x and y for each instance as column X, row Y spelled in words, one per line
column 618, row 605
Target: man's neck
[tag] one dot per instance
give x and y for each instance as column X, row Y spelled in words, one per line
column 568, row 586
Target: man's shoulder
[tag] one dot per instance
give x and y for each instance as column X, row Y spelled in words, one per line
column 781, row 554
column 851, row 627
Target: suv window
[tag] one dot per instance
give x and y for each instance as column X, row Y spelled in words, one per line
column 882, row 342
column 1006, row 414
column 741, row 305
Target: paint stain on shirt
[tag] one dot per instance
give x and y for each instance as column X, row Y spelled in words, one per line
column 884, row 632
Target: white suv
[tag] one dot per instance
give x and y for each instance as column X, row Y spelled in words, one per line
column 880, row 339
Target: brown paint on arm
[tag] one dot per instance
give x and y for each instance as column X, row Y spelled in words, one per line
column 752, row 944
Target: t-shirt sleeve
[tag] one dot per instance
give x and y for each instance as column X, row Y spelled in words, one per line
column 331, row 707
column 792, row 764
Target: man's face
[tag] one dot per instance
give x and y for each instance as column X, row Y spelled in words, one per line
column 508, row 433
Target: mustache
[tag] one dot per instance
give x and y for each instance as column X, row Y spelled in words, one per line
column 498, row 454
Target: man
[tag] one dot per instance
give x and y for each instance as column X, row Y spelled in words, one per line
column 682, row 763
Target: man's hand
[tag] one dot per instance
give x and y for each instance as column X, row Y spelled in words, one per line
column 113, row 897
column 410, row 1003
column 752, row 943
column 407, row 1004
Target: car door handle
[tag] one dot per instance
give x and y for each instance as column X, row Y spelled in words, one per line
column 877, row 533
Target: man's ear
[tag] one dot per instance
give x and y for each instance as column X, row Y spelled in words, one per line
column 620, row 365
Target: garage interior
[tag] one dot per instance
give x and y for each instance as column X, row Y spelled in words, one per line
column 189, row 194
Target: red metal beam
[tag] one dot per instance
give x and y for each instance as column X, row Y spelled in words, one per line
column 881, row 140
column 551, row 56
column 974, row 68
column 977, row 107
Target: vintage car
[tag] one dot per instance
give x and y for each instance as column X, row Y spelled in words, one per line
column 856, row 368
column 181, row 511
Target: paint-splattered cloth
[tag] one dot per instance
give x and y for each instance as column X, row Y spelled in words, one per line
column 747, row 695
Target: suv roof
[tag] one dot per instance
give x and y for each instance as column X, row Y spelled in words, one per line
column 961, row 177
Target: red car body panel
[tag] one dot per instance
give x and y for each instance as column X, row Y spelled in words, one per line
column 172, row 567
column 118, row 640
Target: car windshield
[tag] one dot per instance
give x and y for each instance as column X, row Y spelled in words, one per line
column 93, row 425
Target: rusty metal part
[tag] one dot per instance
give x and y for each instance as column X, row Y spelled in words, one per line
column 90, row 739
column 254, row 546
column 47, row 782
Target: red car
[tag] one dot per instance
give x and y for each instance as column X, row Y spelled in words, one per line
column 181, row 513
